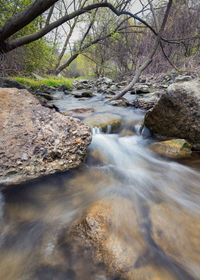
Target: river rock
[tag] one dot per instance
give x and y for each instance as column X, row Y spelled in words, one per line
column 140, row 88
column 103, row 121
column 65, row 88
column 183, row 79
column 177, row 113
column 177, row 233
column 80, row 113
column 82, row 93
column 8, row 83
column 104, row 80
column 175, row 148
column 119, row 103
column 40, row 94
column 35, row 140
column 109, row 232
column 146, row 101
column 81, row 84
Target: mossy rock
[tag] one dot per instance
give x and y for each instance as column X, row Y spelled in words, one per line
column 175, row 148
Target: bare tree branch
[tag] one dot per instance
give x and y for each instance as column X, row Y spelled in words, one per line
column 23, row 18
column 150, row 56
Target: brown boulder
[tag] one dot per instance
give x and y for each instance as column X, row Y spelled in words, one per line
column 35, row 140
column 177, row 113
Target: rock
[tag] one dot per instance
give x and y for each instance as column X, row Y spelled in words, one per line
column 175, row 148
column 104, row 89
column 80, row 113
column 121, row 102
column 113, row 238
column 163, row 86
column 177, row 233
column 104, row 80
column 145, row 102
column 114, row 88
column 104, row 120
column 110, row 92
column 44, row 95
column 177, row 113
column 8, row 83
column 140, row 88
column 82, row 93
column 64, row 88
column 183, row 79
column 45, row 92
column 48, row 89
column 35, row 140
column 81, row 84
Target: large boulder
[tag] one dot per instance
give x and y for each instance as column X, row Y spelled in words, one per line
column 35, row 140
column 177, row 113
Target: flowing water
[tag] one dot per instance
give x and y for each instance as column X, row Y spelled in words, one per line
column 165, row 208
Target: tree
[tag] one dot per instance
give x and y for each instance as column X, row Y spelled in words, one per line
column 20, row 20
column 152, row 52
column 12, row 37
column 35, row 55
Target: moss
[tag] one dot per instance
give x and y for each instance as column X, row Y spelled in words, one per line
column 174, row 148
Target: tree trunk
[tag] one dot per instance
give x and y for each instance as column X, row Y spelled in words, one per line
column 150, row 56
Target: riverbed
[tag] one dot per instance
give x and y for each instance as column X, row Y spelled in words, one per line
column 164, row 194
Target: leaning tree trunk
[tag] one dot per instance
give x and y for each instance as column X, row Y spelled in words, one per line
column 150, row 56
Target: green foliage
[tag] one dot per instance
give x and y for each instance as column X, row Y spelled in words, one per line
column 37, row 56
column 52, row 81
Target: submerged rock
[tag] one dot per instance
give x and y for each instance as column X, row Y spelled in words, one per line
column 79, row 113
column 35, row 140
column 177, row 113
column 103, row 120
column 175, row 148
column 177, row 233
column 109, row 230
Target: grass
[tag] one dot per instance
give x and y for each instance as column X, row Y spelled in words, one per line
column 52, row 81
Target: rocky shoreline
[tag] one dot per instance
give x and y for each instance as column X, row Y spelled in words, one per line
column 36, row 140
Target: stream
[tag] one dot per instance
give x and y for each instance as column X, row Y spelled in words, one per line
column 164, row 195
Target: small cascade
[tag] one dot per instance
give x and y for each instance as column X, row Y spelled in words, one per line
column 109, row 128
column 96, row 130
column 140, row 172
column 138, row 129
column 141, row 129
